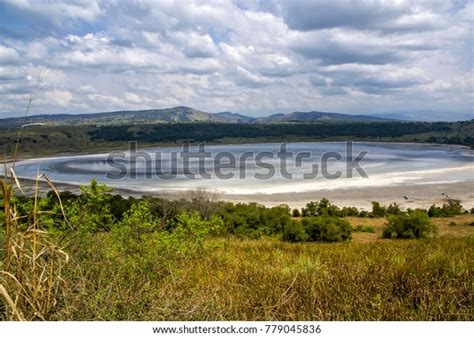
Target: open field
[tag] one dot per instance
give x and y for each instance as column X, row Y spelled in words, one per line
column 444, row 226
column 271, row 280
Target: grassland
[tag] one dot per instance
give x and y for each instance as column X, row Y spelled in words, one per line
column 229, row 278
column 271, row 280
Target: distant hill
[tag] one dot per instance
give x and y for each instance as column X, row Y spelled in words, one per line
column 235, row 117
column 429, row 115
column 179, row 114
column 313, row 116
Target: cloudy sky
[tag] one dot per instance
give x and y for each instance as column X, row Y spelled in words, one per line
column 252, row 57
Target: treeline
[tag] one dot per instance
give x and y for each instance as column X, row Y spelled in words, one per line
column 325, row 208
column 201, row 132
column 96, row 210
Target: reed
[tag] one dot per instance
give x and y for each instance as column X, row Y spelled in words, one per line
column 31, row 263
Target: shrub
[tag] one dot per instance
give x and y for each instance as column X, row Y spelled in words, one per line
column 296, row 213
column 91, row 212
column 140, row 243
column 364, row 214
column 294, row 232
column 413, row 225
column 253, row 220
column 349, row 211
column 327, row 229
column 452, row 224
column 452, row 208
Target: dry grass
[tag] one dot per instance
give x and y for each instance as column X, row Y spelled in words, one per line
column 30, row 262
column 31, row 267
column 461, row 229
column 273, row 280
column 444, row 229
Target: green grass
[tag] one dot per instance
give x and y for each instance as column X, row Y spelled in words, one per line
column 266, row 279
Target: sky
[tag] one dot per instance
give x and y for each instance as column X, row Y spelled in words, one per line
column 251, row 57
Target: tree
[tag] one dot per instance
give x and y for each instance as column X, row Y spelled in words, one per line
column 377, row 210
column 393, row 209
column 296, row 213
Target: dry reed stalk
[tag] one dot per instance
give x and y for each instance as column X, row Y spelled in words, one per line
column 30, row 273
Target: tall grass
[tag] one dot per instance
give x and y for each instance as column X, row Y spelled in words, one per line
column 31, row 263
column 267, row 279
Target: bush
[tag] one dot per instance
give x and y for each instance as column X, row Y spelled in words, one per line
column 349, row 211
column 296, row 213
column 327, row 229
column 364, row 214
column 91, row 212
column 294, row 232
column 452, row 208
column 252, row 220
column 413, row 225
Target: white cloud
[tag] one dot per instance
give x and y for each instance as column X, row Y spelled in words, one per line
column 8, row 55
column 87, row 89
column 257, row 57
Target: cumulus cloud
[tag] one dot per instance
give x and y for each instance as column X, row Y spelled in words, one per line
column 8, row 55
column 246, row 56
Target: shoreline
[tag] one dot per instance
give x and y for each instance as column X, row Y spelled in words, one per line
column 61, row 155
column 406, row 196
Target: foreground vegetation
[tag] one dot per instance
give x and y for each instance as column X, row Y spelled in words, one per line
column 229, row 279
column 47, row 140
column 101, row 257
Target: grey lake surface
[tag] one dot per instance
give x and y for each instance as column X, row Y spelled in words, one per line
column 246, row 169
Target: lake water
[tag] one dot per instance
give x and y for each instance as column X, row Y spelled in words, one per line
column 257, row 168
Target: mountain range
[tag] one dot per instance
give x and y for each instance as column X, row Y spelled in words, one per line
column 181, row 114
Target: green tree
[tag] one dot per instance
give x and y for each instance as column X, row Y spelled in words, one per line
column 377, row 210
column 91, row 212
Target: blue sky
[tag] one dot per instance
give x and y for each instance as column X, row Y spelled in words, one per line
column 252, row 57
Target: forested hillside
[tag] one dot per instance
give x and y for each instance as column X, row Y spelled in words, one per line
column 45, row 140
